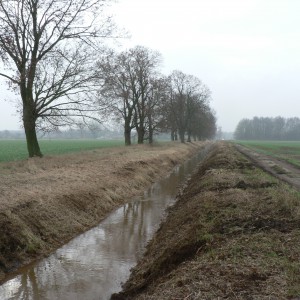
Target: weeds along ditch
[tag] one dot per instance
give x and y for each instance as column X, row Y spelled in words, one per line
column 285, row 150
column 232, row 234
column 83, row 204
column 13, row 150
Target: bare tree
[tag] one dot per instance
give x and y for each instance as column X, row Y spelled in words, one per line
column 155, row 107
column 118, row 90
column 46, row 47
column 197, row 99
column 205, row 126
column 127, row 87
column 187, row 105
column 145, row 64
column 178, row 99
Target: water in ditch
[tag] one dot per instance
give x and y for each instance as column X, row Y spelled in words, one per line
column 94, row 264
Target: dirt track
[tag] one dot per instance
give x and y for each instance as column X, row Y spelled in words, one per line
column 278, row 168
column 234, row 233
column 46, row 202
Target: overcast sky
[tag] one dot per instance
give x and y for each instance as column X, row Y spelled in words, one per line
column 246, row 51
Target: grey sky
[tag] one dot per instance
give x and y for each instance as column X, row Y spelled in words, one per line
column 246, row 51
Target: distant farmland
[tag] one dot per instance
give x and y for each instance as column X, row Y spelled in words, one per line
column 11, row 150
column 286, row 150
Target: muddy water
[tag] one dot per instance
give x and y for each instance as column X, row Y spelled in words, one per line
column 93, row 265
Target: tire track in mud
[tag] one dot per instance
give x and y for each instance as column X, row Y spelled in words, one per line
column 278, row 168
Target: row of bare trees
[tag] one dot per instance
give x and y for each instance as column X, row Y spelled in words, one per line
column 53, row 56
column 187, row 108
column 129, row 90
column 134, row 92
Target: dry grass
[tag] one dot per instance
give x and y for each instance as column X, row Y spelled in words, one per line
column 233, row 234
column 45, row 202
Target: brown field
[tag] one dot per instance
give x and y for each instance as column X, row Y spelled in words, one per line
column 46, row 202
column 234, row 233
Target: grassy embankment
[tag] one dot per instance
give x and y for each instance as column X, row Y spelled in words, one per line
column 12, row 150
column 285, row 150
column 233, row 234
column 46, row 202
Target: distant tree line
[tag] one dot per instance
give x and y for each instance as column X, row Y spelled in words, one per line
column 71, row 133
column 266, row 128
column 12, row 134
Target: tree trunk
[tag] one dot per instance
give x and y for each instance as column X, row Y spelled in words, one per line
column 150, row 130
column 29, row 123
column 127, row 133
column 150, row 135
column 141, row 134
column 176, row 136
column 127, row 138
column 189, row 137
column 172, row 135
column 181, row 136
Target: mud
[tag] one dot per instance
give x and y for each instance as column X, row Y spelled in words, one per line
column 232, row 234
column 276, row 167
column 46, row 202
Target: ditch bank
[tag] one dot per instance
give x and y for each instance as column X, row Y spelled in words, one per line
column 233, row 233
column 46, row 202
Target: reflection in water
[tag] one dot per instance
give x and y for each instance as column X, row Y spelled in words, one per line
column 93, row 265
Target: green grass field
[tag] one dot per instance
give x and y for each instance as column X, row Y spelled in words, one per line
column 287, row 150
column 11, row 150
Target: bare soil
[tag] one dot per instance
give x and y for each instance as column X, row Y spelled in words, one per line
column 234, row 233
column 278, row 168
column 46, row 202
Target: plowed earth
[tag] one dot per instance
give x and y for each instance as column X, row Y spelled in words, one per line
column 46, row 202
column 234, row 233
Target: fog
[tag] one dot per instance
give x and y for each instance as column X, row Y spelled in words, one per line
column 246, row 52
